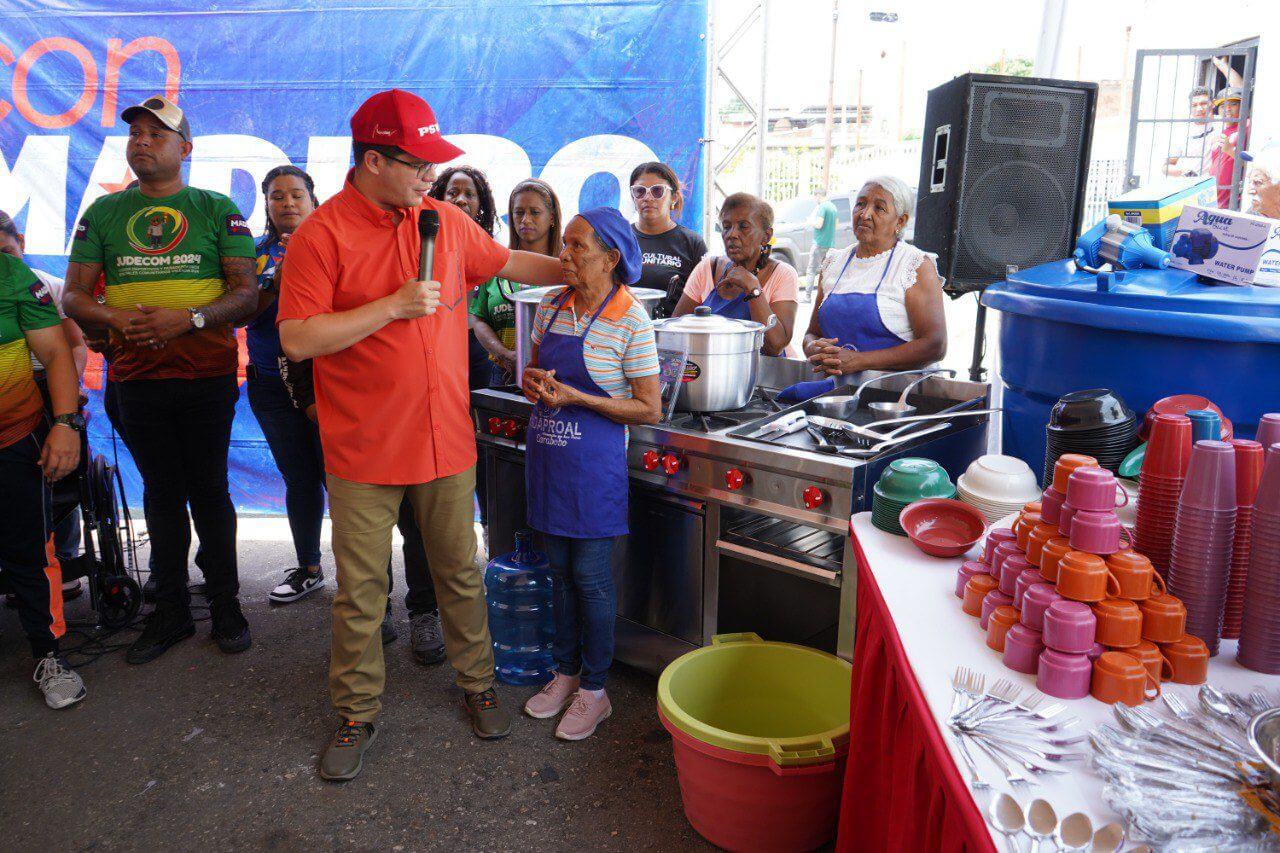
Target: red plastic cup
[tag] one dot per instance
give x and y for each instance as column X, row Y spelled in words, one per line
column 1249, row 458
column 1268, row 429
column 1266, row 503
column 1169, row 450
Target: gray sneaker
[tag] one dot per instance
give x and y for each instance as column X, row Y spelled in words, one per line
column 59, row 684
column 427, row 639
column 344, row 757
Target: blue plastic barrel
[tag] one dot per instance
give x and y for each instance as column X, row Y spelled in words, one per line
column 1145, row 334
column 518, row 588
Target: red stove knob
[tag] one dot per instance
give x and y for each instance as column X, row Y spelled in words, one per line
column 495, row 426
column 733, row 479
column 670, row 463
column 814, row 497
column 649, row 459
column 511, row 428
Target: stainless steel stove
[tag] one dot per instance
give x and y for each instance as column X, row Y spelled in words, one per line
column 729, row 531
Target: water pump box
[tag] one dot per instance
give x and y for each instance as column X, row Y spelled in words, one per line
column 1157, row 206
column 1238, row 248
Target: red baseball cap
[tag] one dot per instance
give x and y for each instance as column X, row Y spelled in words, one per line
column 402, row 119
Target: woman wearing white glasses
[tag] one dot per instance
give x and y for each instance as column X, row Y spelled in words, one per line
column 668, row 251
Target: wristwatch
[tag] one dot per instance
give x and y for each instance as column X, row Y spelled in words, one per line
column 197, row 319
column 752, row 295
column 75, row 421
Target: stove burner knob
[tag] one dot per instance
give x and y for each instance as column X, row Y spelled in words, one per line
column 814, row 497
column 495, row 426
column 649, row 459
column 733, row 479
column 670, row 463
column 510, row 428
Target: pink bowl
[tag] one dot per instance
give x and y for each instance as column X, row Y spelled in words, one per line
column 941, row 527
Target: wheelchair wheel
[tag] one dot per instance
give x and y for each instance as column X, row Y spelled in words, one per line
column 119, row 601
column 106, row 517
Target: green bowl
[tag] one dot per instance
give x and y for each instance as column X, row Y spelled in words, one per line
column 911, row 478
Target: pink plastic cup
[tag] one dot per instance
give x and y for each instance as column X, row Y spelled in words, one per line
column 1095, row 652
column 1094, row 489
column 994, row 599
column 1211, row 477
column 1070, row 626
column 1035, row 601
column 994, row 538
column 1095, row 532
column 1025, row 581
column 1268, row 429
column 1022, row 648
column 1013, row 566
column 1067, row 513
column 967, row 570
column 1063, row 675
column 1051, row 505
column 1003, row 551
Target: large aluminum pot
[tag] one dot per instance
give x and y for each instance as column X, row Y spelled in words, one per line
column 723, row 360
column 526, row 302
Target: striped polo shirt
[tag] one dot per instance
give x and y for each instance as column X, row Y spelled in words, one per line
column 619, row 346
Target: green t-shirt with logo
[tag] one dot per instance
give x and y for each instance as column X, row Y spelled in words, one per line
column 824, row 236
column 165, row 252
column 26, row 304
column 491, row 303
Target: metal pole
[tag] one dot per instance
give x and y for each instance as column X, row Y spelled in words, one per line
column 902, row 85
column 762, row 129
column 858, row 138
column 1051, row 20
column 831, row 99
column 708, row 130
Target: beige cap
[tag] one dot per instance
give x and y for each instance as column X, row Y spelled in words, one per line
column 165, row 111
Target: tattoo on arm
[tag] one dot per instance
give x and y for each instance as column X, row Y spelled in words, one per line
column 241, row 298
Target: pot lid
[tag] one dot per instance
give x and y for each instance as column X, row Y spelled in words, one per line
column 703, row 321
column 534, row 295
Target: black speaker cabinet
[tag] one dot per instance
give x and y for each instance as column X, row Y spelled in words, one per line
column 1004, row 162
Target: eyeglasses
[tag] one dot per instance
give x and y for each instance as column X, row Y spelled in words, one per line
column 421, row 171
column 656, row 191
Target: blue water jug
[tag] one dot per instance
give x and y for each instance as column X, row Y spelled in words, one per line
column 518, row 588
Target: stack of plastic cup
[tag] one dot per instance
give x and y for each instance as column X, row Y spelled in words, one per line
column 1248, row 471
column 1159, row 484
column 1260, row 628
column 1203, row 533
column 1268, row 429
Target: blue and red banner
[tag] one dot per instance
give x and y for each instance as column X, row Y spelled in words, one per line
column 574, row 93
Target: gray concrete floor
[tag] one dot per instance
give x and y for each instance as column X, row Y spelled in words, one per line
column 209, row 751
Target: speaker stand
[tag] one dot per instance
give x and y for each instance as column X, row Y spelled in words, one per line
column 976, row 373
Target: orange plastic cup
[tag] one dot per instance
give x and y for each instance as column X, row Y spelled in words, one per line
column 1051, row 556
column 976, row 590
column 1120, row 677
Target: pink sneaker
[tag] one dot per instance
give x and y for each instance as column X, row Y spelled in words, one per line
column 552, row 698
column 586, row 712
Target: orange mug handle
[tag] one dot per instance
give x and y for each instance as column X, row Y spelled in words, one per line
column 1113, row 584
column 1152, row 683
column 1166, row 669
column 1157, row 582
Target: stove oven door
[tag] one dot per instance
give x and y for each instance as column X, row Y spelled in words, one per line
column 658, row 575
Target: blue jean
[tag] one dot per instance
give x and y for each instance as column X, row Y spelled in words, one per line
column 585, row 606
column 295, row 446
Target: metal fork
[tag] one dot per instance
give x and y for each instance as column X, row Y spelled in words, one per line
column 1201, row 722
column 993, row 696
column 1261, row 702
column 1142, row 720
column 1012, row 775
column 967, row 685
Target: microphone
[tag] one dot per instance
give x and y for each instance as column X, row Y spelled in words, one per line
column 428, row 227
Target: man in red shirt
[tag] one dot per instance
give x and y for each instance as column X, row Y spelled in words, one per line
column 390, row 364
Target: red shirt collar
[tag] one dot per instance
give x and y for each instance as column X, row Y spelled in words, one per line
column 360, row 204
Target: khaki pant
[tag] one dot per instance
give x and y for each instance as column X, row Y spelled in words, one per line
column 363, row 515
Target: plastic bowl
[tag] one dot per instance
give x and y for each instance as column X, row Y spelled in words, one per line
column 941, row 527
column 912, row 478
column 1001, row 479
column 1087, row 410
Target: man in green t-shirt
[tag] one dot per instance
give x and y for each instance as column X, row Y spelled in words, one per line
column 179, row 266
column 34, row 453
column 823, row 222
column 493, row 321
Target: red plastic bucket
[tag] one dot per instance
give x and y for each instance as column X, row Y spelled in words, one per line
column 742, row 801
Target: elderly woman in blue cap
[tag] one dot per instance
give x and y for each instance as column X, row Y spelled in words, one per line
column 594, row 369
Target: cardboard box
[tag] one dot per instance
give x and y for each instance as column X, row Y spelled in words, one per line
column 1238, row 248
column 1157, row 206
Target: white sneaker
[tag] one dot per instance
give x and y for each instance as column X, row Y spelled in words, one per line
column 61, row 686
column 298, row 583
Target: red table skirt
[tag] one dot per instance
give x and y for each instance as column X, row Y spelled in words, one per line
column 902, row 790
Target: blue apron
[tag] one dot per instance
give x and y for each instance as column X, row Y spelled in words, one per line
column 575, row 459
column 853, row 319
column 735, row 308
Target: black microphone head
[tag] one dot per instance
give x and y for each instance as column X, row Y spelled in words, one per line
column 428, row 224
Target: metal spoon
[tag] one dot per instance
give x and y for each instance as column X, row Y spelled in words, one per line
column 1007, row 818
column 1075, row 832
column 1042, row 822
column 1108, row 839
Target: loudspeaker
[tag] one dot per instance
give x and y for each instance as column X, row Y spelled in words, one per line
column 1004, row 162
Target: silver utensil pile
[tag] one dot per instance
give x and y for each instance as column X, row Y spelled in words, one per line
column 1019, row 735
column 1176, row 774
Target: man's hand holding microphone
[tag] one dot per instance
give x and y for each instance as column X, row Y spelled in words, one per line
column 415, row 298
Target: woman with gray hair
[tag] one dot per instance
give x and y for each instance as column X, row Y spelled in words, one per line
column 880, row 301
